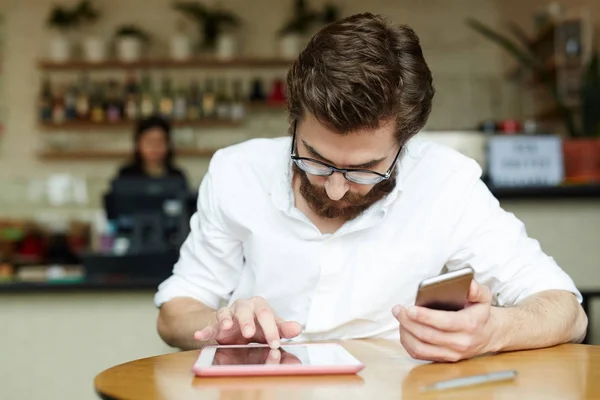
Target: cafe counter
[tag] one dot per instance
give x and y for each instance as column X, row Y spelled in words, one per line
column 85, row 285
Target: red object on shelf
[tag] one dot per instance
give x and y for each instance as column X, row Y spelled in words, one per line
column 582, row 160
column 33, row 246
column 509, row 126
column 277, row 95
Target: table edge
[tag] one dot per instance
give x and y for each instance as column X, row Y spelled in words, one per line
column 106, row 396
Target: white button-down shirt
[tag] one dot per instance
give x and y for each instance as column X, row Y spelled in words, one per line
column 248, row 239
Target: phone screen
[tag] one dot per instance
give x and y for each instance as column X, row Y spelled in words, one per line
column 260, row 356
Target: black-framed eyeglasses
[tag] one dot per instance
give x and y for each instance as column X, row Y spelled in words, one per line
column 320, row 168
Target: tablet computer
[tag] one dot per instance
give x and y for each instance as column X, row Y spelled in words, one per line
column 261, row 360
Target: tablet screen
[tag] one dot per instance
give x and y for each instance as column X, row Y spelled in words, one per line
column 260, row 355
column 290, row 359
column 306, row 355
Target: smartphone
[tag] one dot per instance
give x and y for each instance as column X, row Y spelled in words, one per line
column 446, row 292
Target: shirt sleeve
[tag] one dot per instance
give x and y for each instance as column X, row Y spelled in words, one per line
column 496, row 245
column 211, row 258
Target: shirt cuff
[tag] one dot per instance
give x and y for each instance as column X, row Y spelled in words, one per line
column 503, row 298
column 176, row 286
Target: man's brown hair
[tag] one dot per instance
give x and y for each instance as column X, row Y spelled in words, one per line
column 359, row 72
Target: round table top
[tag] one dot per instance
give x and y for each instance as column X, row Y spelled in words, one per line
column 562, row 372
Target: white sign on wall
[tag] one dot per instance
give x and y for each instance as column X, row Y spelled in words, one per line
column 525, row 161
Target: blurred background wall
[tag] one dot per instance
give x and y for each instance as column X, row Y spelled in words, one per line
column 53, row 344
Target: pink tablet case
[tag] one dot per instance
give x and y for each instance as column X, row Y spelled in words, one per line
column 275, row 370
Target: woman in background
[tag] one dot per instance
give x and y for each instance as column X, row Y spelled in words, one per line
column 153, row 154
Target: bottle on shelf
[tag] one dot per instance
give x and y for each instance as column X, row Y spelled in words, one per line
column 165, row 106
column 135, row 97
column 180, row 112
column 194, row 103
column 147, row 103
column 257, row 93
column 97, row 106
column 82, row 106
column 238, row 107
column 132, row 99
column 222, row 101
column 114, row 104
column 45, row 101
column 277, row 95
column 71, row 103
column 209, row 100
column 58, row 106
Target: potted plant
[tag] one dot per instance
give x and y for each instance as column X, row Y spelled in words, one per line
column 294, row 31
column 215, row 27
column 582, row 151
column 181, row 43
column 581, row 147
column 62, row 21
column 130, row 40
column 93, row 45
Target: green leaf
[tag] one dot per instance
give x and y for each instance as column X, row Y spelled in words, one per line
column 133, row 30
column 525, row 58
column 210, row 22
column 519, row 34
column 61, row 18
column 331, row 13
column 226, row 18
column 86, row 12
column 193, row 10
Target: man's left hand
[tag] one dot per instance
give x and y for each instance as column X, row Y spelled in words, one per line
column 448, row 336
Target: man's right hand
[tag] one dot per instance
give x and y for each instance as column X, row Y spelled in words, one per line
column 249, row 321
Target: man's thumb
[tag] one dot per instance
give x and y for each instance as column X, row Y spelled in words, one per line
column 479, row 293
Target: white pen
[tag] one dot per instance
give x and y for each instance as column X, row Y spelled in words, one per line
column 473, row 380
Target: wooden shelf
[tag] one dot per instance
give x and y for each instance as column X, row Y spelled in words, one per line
column 590, row 191
column 75, row 126
column 74, row 155
column 195, row 152
column 242, row 62
column 265, row 106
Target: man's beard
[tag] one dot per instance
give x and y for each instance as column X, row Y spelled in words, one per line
column 348, row 207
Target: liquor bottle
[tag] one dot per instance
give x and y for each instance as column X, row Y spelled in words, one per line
column 209, row 102
column 180, row 105
column 132, row 99
column 97, row 108
column 45, row 101
column 222, row 101
column 238, row 108
column 82, row 106
column 71, row 103
column 114, row 104
column 147, row 105
column 257, row 93
column 58, row 106
column 277, row 95
column 166, row 99
column 194, row 102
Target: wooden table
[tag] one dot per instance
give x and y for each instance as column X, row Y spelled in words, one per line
column 563, row 372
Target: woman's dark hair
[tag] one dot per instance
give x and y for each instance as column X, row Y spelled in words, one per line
column 360, row 71
column 144, row 126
